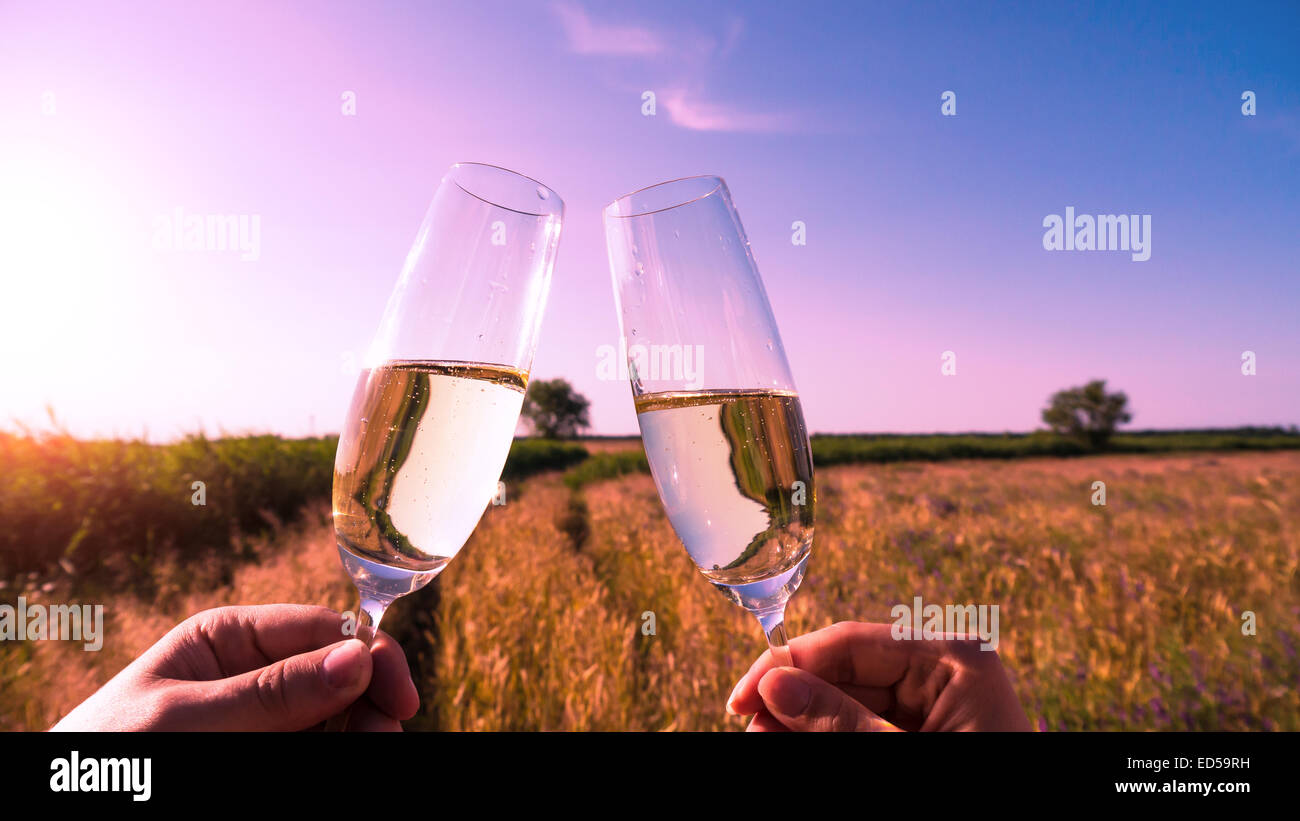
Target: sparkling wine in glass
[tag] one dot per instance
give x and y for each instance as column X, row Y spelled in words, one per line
column 436, row 406
column 720, row 418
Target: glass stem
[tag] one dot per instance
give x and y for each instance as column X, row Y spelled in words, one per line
column 773, row 624
column 370, row 612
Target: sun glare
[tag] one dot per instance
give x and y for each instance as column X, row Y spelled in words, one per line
column 62, row 243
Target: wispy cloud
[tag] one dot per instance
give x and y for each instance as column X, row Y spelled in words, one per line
column 685, row 52
column 586, row 36
column 691, row 111
column 731, row 37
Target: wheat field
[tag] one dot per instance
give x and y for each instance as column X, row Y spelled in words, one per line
column 1127, row 616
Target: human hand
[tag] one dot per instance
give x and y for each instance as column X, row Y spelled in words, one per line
column 854, row 676
column 275, row 667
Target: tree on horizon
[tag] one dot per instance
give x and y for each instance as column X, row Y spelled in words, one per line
column 555, row 410
column 1087, row 414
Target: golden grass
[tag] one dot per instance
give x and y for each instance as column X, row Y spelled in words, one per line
column 1127, row 616
column 42, row 681
column 611, row 444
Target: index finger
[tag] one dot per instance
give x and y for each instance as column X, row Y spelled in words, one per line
column 392, row 690
column 847, row 652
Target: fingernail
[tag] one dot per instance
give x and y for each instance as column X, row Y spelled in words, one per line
column 786, row 691
column 342, row 665
column 731, row 698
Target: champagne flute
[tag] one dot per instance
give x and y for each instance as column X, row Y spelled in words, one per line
column 720, row 418
column 436, row 405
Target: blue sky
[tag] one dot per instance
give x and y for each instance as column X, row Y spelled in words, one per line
column 924, row 231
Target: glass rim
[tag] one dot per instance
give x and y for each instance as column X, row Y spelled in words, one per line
column 718, row 184
column 550, row 192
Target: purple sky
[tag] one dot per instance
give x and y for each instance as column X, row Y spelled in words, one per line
column 924, row 232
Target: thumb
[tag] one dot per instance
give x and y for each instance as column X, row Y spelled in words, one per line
column 805, row 703
column 294, row 693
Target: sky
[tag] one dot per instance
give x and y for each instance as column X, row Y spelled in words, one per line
column 330, row 124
